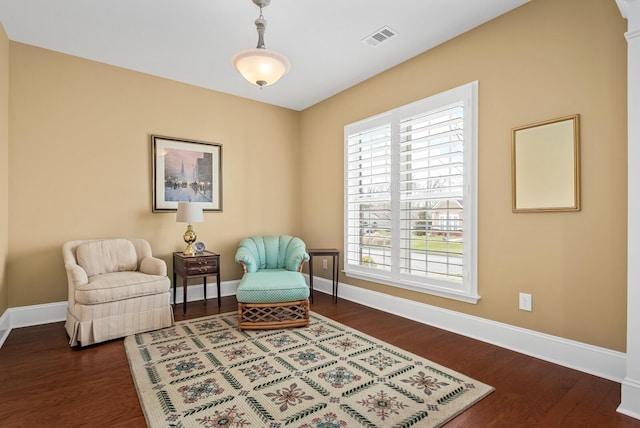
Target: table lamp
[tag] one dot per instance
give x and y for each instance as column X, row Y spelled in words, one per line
column 189, row 212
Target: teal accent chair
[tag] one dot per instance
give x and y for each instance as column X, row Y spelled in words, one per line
column 272, row 292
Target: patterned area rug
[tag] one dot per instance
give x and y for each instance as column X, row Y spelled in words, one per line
column 205, row 373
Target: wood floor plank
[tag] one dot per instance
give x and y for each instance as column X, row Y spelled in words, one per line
column 45, row 383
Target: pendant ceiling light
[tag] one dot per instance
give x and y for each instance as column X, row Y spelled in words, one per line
column 261, row 66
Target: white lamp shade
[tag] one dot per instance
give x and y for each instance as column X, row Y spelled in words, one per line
column 260, row 66
column 189, row 213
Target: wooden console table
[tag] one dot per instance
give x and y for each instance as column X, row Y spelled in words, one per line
column 201, row 265
column 335, row 268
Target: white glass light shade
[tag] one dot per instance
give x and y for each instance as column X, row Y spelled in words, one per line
column 189, row 213
column 260, row 66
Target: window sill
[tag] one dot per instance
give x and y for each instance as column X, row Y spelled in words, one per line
column 421, row 288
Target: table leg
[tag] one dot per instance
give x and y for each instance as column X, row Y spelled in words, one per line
column 184, row 301
column 336, row 276
column 205, row 289
column 218, row 287
column 174, row 289
column 311, row 277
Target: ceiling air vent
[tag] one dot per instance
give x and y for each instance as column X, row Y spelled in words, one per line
column 381, row 35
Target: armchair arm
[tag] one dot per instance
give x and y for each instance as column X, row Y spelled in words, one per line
column 244, row 267
column 153, row 266
column 247, row 259
column 296, row 259
column 76, row 275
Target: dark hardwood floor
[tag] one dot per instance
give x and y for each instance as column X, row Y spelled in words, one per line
column 45, row 383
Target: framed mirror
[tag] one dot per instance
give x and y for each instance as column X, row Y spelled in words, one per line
column 545, row 166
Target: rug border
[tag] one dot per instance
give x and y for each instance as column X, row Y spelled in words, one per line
column 132, row 338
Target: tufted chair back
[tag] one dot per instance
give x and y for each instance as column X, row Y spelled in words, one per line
column 272, row 252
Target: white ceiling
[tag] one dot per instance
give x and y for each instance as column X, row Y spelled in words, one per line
column 192, row 41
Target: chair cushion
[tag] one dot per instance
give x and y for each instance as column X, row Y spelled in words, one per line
column 109, row 255
column 111, row 287
column 272, row 286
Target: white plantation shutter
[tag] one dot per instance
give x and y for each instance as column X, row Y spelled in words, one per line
column 431, row 187
column 368, row 172
column 410, row 196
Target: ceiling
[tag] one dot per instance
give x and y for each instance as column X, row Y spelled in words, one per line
column 192, row 41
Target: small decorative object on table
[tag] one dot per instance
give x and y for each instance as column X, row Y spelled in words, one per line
column 199, row 247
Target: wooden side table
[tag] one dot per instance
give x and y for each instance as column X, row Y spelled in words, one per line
column 201, row 265
column 335, row 268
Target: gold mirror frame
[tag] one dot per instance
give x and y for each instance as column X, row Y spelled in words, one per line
column 545, row 166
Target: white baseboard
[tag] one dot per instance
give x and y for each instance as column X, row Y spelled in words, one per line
column 25, row 316
column 196, row 291
column 590, row 359
column 5, row 327
column 630, row 404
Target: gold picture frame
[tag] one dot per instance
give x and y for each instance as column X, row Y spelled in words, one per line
column 545, row 166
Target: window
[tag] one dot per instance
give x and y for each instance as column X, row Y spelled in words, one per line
column 410, row 196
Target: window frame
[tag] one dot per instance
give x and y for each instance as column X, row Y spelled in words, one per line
column 467, row 290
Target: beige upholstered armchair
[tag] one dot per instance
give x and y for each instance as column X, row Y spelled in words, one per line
column 116, row 288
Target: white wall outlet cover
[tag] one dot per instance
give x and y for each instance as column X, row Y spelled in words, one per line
column 525, row 302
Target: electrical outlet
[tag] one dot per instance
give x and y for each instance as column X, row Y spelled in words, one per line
column 324, row 263
column 525, row 302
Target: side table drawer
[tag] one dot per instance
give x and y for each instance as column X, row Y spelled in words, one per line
column 201, row 265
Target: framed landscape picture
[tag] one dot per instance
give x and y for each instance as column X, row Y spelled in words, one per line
column 186, row 171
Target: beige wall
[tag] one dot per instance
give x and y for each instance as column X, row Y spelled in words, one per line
column 81, row 165
column 544, row 60
column 4, row 167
